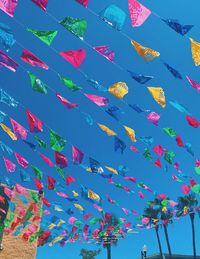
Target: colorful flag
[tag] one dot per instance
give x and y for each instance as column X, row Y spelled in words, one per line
column 119, row 90
column 74, row 57
column 46, row 36
column 75, row 25
column 66, row 103
column 77, row 155
column 8, row 6
column 158, row 95
column 6, row 61
column 98, row 100
column 195, row 48
column 35, row 124
column 31, row 59
column 37, row 84
column 114, row 16
column 41, row 3
column 138, row 13
column 146, row 53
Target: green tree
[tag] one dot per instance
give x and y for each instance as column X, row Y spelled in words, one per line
column 89, row 254
column 186, row 206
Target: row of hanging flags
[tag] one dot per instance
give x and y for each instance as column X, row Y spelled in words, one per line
column 115, row 17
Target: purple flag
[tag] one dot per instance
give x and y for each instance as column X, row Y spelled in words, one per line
column 7, row 62
column 41, row 3
column 77, row 155
column 31, row 59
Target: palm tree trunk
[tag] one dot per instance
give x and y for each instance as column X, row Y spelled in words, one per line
column 108, row 251
column 167, row 240
column 193, row 234
column 159, row 243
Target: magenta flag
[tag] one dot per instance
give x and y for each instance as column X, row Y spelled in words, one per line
column 74, row 57
column 185, row 189
column 193, row 83
column 19, row 130
column 138, row 13
column 35, row 124
column 104, row 51
column 20, row 189
column 6, row 61
column 83, row 2
column 153, row 117
column 66, row 103
column 8, row 6
column 159, row 150
column 10, row 166
column 46, row 160
column 98, row 100
column 21, row 160
column 61, row 160
column 77, row 155
column 41, row 3
column 31, row 59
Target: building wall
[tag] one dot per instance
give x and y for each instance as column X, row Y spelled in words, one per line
column 13, row 246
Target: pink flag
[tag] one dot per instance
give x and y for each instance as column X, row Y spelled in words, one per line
column 134, row 149
column 138, row 13
column 21, row 160
column 83, row 2
column 35, row 124
column 6, row 61
column 74, row 57
column 77, row 155
column 47, row 160
column 193, row 83
column 145, row 221
column 104, row 51
column 41, row 3
column 9, row 193
column 20, row 189
column 31, row 59
column 10, row 166
column 141, row 195
column 197, row 163
column 66, row 103
column 159, row 150
column 72, row 220
column 130, row 178
column 125, row 211
column 18, row 129
column 61, row 160
column 62, row 194
column 153, row 117
column 185, row 189
column 98, row 100
column 162, row 196
column 8, row 6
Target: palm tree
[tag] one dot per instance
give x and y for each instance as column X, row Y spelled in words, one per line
column 89, row 254
column 152, row 213
column 109, row 233
column 187, row 205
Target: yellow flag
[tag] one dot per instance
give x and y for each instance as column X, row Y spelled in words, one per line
column 146, row 53
column 57, row 239
column 195, row 47
column 114, row 171
column 108, row 131
column 8, row 131
column 131, row 133
column 75, row 194
column 93, row 196
column 158, row 95
column 51, row 226
column 58, row 209
column 119, row 90
column 78, row 206
column 61, row 221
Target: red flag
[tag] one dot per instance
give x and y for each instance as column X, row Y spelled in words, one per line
column 74, row 57
column 35, row 124
column 179, row 141
column 83, row 2
column 61, row 160
column 69, row 179
column 38, row 184
column 51, row 182
column 192, row 122
column 158, row 163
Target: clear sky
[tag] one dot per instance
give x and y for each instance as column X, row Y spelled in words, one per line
column 174, row 49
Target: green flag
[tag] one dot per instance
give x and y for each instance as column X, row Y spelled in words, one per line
column 40, row 142
column 69, row 84
column 45, row 36
column 170, row 132
column 147, row 154
column 37, row 84
column 35, row 197
column 93, row 221
column 197, row 169
column 196, row 188
column 38, row 172
column 75, row 25
column 78, row 223
column 169, row 156
column 57, row 143
column 60, row 172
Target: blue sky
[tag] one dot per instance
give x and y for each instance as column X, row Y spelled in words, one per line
column 174, row 49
